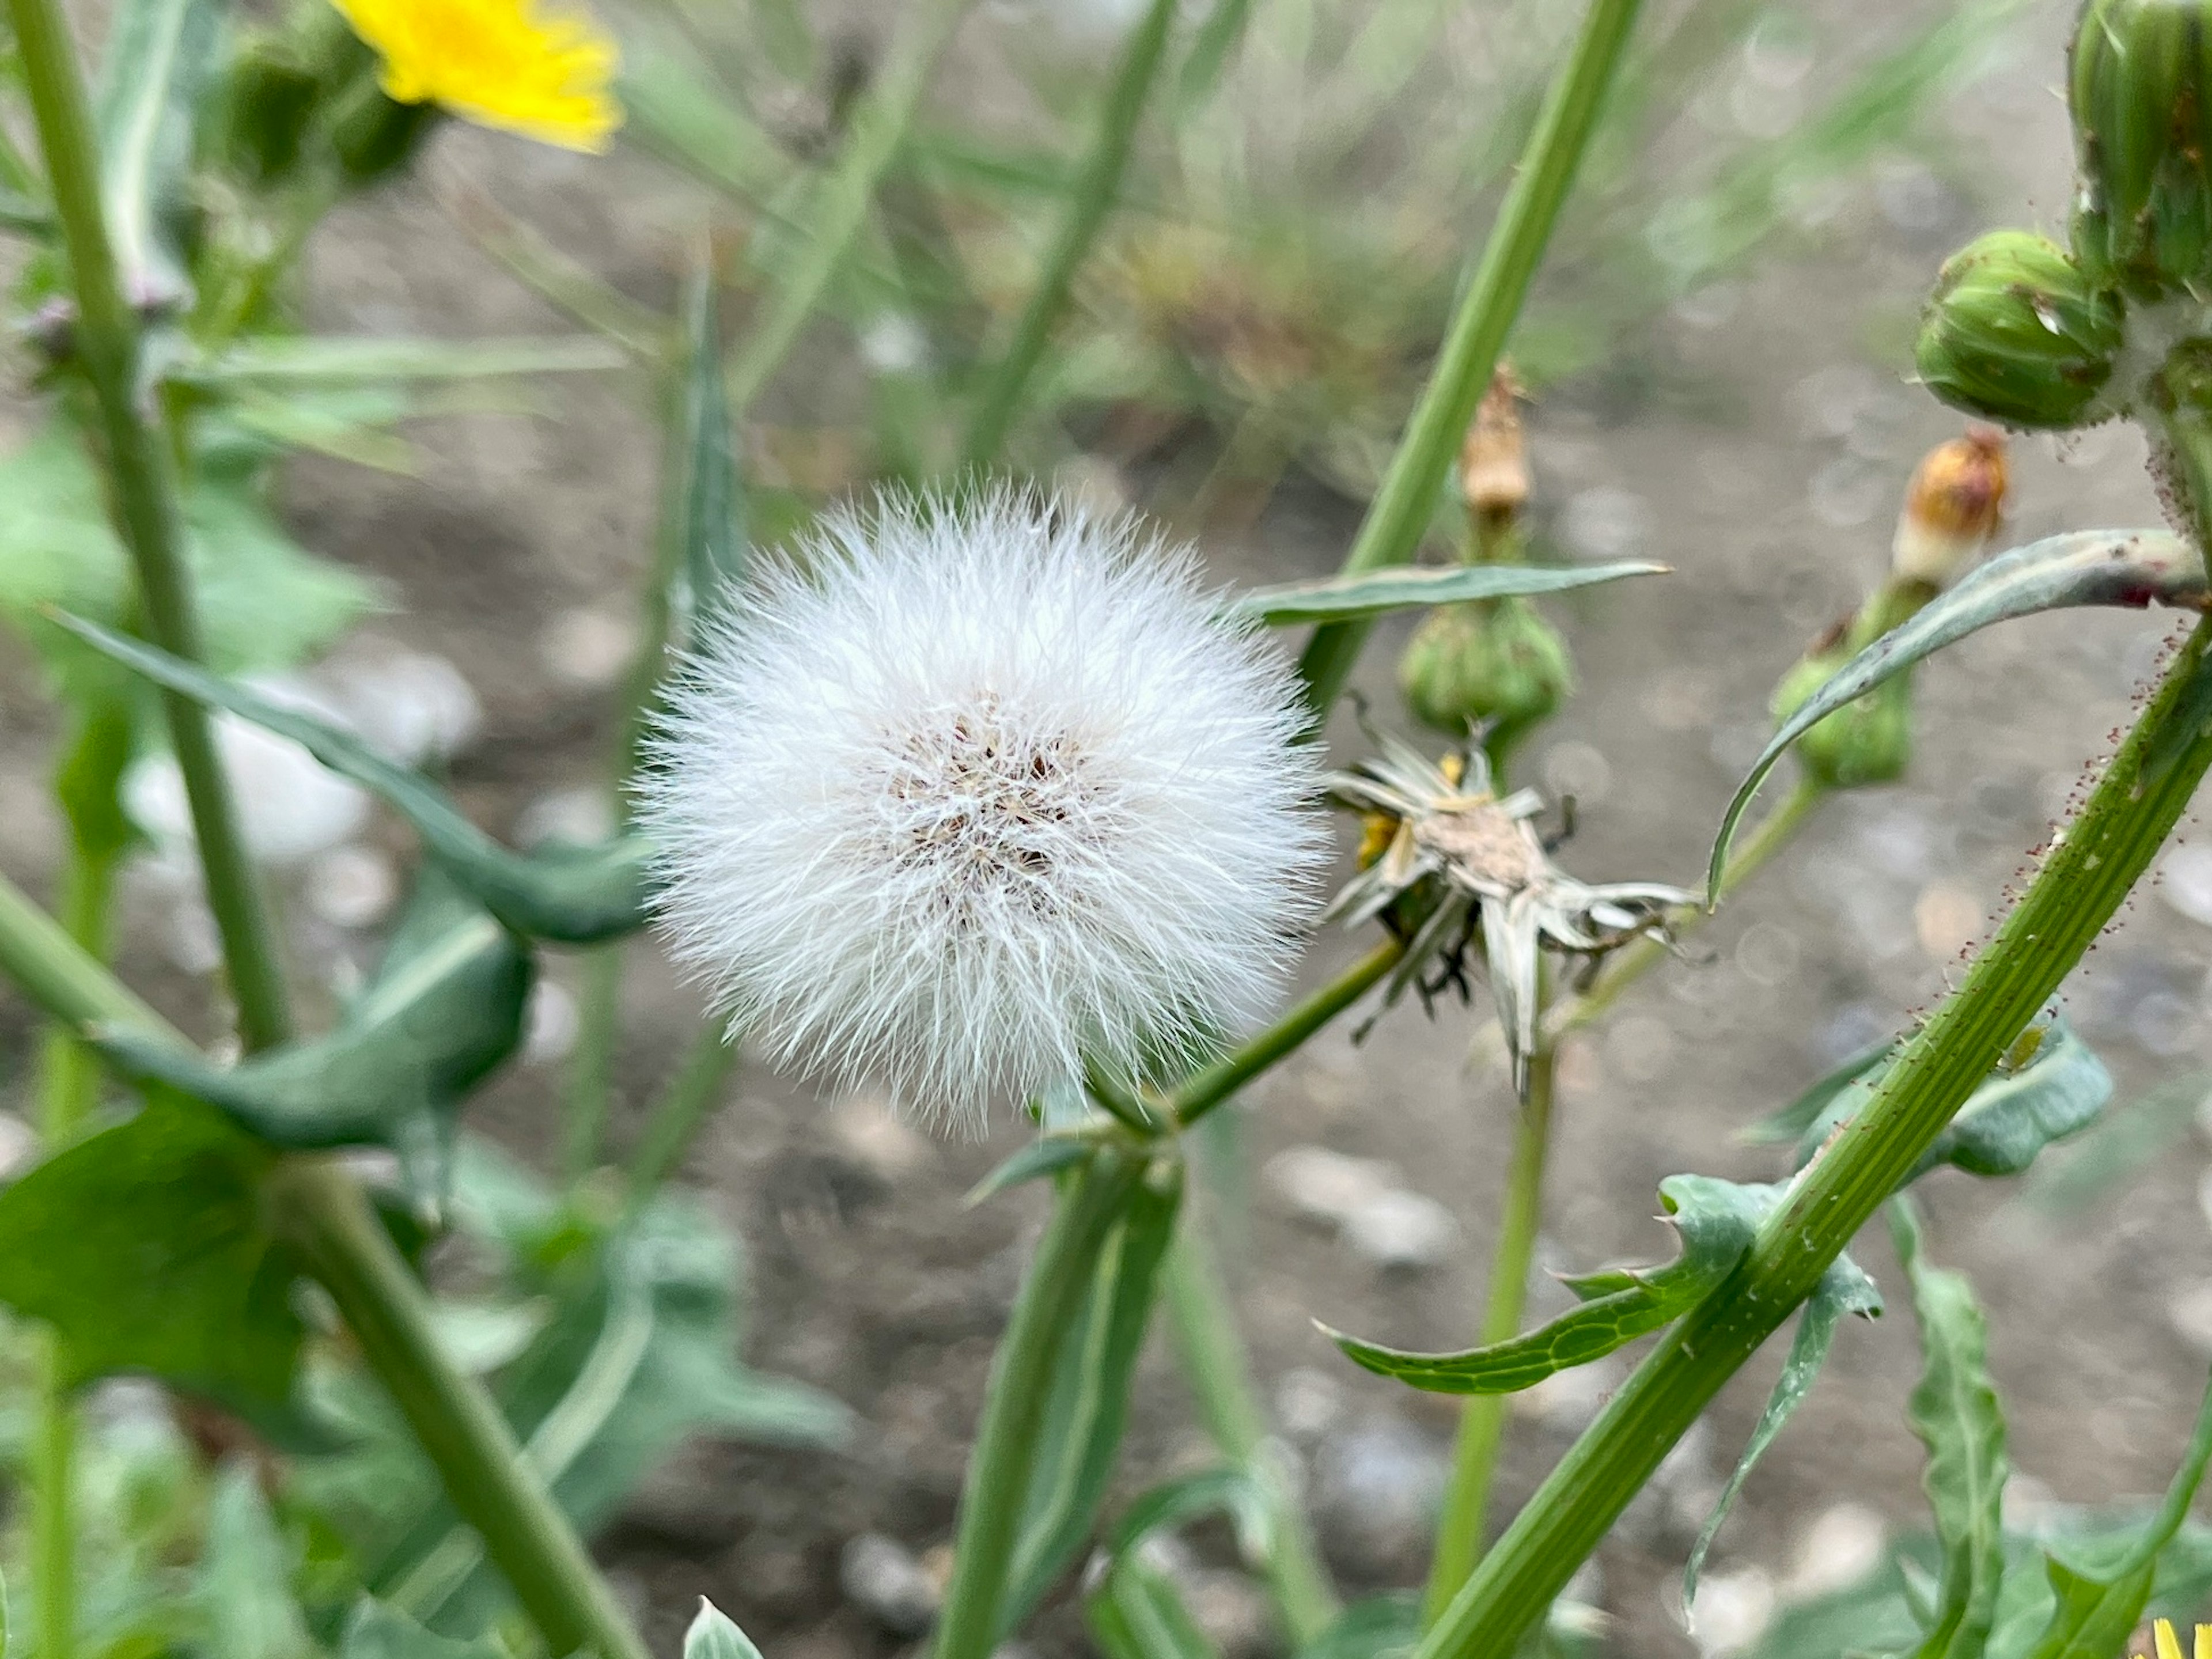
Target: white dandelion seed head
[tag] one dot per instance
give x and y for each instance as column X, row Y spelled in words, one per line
column 965, row 796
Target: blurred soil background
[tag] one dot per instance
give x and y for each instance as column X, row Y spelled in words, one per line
column 1757, row 438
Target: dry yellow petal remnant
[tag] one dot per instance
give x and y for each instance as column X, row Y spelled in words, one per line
column 499, row 62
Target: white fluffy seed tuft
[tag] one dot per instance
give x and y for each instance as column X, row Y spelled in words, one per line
column 964, row 798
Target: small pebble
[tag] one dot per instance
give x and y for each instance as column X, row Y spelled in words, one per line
column 579, row 816
column 411, row 707
column 1844, row 1544
column 587, row 647
column 550, row 1024
column 1606, row 522
column 1308, row 1402
column 290, row 808
column 18, row 1145
column 878, row 1139
column 1377, row 1487
column 879, row 1575
column 2185, row 882
column 1401, row 1229
column 1324, row 1186
column 352, row 886
column 1732, row 1611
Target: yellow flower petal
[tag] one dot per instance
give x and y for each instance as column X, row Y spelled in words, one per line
column 2204, row 1644
column 499, row 62
column 2169, row 1644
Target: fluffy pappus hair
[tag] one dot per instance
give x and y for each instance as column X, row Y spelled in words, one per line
column 962, row 797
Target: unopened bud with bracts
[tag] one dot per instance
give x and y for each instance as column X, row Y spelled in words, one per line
column 1952, row 509
column 1493, row 462
column 2138, row 82
column 1494, row 662
column 2015, row 330
column 1866, row 741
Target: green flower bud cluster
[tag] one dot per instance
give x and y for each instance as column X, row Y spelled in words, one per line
column 1866, row 741
column 1493, row 661
column 2017, row 331
column 304, row 97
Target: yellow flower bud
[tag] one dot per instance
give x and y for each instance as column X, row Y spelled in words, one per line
column 1952, row 508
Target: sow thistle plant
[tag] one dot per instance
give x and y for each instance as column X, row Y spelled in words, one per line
column 968, row 794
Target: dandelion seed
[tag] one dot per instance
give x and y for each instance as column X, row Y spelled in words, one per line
column 967, row 798
column 505, row 64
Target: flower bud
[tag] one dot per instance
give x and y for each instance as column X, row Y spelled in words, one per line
column 2015, row 332
column 269, row 99
column 1493, row 661
column 2140, row 74
column 1866, row 741
column 1952, row 508
column 1494, row 462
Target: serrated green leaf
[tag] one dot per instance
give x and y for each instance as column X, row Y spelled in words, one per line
column 2127, row 567
column 1338, row 598
column 445, row 1008
column 1954, row 1411
column 1088, row 1403
column 148, row 1246
column 705, row 501
column 330, row 362
column 577, row 896
column 1137, row 1612
column 1716, row 1221
column 375, row 1631
column 714, row 1635
column 1843, row 1289
column 243, row 1586
column 159, row 56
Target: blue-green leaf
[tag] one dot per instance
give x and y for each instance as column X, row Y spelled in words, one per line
column 1372, row 593
column 1716, row 1221
column 574, row 895
column 1048, row 1155
column 706, row 503
column 374, row 1630
column 2129, row 567
column 245, row 1582
column 714, row 1635
column 330, row 362
column 160, row 54
column 1137, row 1612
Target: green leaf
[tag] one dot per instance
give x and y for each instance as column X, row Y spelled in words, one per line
column 1384, row 1626
column 1338, row 598
column 1137, row 1612
column 1802, row 1116
column 706, row 503
column 1843, row 1289
column 2122, row 1143
column 575, row 894
column 1716, row 1221
column 265, row 603
column 1210, row 49
column 147, row 1247
column 159, row 56
column 1174, row 1503
column 245, row 1582
column 2128, row 567
column 1048, row 1155
column 1089, row 1403
column 372, row 361
column 713, row 1636
column 375, row 1631
column 1954, row 1411
column 445, row 1008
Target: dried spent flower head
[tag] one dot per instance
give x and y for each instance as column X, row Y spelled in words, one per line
column 969, row 797
column 1493, row 462
column 1952, row 508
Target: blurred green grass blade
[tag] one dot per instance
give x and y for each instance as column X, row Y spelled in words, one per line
column 159, row 58
column 714, row 1635
column 707, row 499
column 244, row 1584
column 335, row 361
column 1716, row 1222
column 566, row 282
column 1138, row 1612
column 1845, row 1288
column 1336, row 599
column 1954, row 1411
column 1089, row 1406
column 673, row 112
column 376, row 1631
column 2123, row 1141
column 2128, row 567
column 1216, row 42
column 573, row 894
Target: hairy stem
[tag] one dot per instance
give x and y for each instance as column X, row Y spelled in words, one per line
column 2089, row 871
column 1202, row 1322
column 1482, row 1419
column 1084, row 1212
column 460, row 1429
column 1090, row 197
column 1400, row 515
column 107, row 345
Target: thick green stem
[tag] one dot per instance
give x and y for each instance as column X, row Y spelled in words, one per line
column 2093, row 864
column 1084, row 1212
column 1399, row 515
column 349, row 1254
column 839, row 205
column 1202, row 1092
column 1203, row 1321
column 455, row 1421
column 689, row 1101
column 144, row 501
column 1482, row 1419
column 1090, row 197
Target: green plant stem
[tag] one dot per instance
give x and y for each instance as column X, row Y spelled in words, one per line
column 840, row 204
column 2088, row 872
column 1631, row 962
column 688, row 1102
column 1202, row 1322
column 107, row 345
column 350, row 1254
column 1400, row 515
column 1090, row 196
column 68, row 1089
column 1202, row 1092
column 1482, row 1419
column 1084, row 1212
